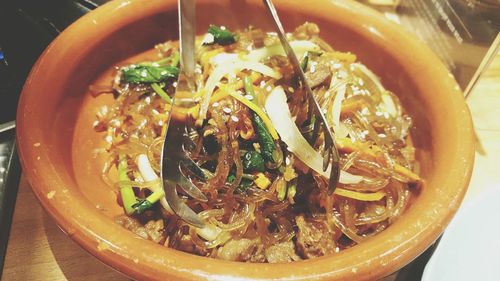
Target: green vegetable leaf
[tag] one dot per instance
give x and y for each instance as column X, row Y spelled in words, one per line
column 158, row 88
column 230, row 178
column 221, row 36
column 244, row 185
column 253, row 162
column 265, row 139
column 248, row 84
column 304, row 62
column 268, row 149
column 149, row 74
column 141, row 206
column 246, row 182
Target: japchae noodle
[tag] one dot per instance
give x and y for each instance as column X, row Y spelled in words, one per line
column 251, row 136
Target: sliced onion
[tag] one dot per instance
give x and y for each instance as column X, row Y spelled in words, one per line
column 370, row 75
column 336, row 108
column 299, row 48
column 209, row 232
column 279, row 113
column 223, row 58
column 148, row 174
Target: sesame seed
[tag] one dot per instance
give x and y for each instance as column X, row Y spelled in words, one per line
column 312, row 68
column 215, row 104
column 249, row 97
column 51, row 194
column 227, row 110
column 116, row 123
column 234, row 118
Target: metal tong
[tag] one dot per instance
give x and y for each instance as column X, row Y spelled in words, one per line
column 330, row 151
column 174, row 156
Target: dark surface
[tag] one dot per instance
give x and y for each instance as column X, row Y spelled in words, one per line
column 26, row 28
column 414, row 270
column 9, row 182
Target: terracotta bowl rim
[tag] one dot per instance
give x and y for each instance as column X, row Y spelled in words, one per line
column 175, row 264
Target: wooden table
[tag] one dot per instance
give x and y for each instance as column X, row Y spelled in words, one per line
column 38, row 250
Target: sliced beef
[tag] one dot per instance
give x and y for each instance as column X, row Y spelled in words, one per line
column 241, row 250
column 282, row 252
column 153, row 230
column 320, row 74
column 186, row 245
column 313, row 238
column 306, row 31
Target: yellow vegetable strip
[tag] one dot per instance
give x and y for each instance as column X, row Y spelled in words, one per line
column 347, row 57
column 259, row 111
column 207, row 56
column 224, row 89
column 299, row 47
column 347, row 145
column 350, row 106
column 226, row 69
column 374, row 196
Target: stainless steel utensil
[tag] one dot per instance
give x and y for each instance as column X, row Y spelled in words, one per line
column 174, row 156
column 7, row 126
column 330, row 152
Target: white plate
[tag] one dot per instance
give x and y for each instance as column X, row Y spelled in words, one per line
column 470, row 246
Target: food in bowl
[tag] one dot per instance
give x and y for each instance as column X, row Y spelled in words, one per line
column 256, row 155
column 66, row 167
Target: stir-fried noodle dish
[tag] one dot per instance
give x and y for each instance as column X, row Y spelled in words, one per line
column 257, row 156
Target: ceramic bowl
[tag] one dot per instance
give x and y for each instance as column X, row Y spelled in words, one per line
column 57, row 142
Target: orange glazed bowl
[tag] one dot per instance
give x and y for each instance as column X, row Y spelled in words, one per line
column 57, row 141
